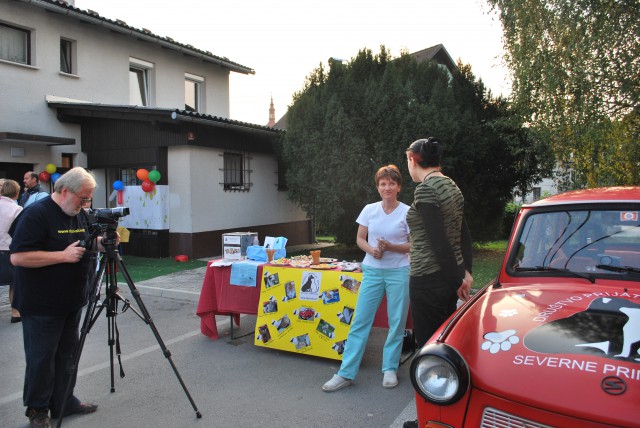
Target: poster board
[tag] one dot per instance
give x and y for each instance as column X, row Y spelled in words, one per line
column 306, row 311
column 146, row 210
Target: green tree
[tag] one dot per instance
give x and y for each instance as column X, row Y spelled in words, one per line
column 576, row 78
column 355, row 117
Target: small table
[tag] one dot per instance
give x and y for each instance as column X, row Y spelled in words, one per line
column 219, row 297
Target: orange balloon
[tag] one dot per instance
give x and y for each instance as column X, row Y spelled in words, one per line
column 142, row 174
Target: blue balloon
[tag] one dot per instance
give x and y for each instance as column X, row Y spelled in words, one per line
column 55, row 176
column 117, row 185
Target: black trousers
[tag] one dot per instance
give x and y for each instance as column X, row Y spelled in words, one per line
column 432, row 300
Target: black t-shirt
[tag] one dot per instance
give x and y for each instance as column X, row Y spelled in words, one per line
column 55, row 289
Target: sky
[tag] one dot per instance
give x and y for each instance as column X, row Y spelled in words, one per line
column 284, row 40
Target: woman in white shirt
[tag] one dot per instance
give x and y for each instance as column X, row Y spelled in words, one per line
column 383, row 234
column 9, row 210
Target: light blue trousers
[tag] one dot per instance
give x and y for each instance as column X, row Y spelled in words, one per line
column 375, row 284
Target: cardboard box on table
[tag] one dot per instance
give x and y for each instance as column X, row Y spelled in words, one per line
column 234, row 244
column 306, row 311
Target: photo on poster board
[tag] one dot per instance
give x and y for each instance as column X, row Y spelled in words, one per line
column 302, row 341
column 264, row 334
column 326, row 329
column 282, row 324
column 270, row 306
column 330, row 296
column 339, row 346
column 346, row 315
column 289, row 291
column 271, row 280
column 305, row 313
column 310, row 285
column 350, row 283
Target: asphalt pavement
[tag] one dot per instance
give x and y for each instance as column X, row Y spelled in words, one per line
column 231, row 382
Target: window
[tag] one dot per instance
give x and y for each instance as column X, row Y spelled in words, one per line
column 129, row 176
column 67, row 54
column 193, row 92
column 536, row 193
column 66, row 163
column 236, row 171
column 139, row 82
column 15, row 44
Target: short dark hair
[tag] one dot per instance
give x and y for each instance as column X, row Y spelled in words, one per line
column 426, row 152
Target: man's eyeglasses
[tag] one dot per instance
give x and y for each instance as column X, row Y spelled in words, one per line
column 83, row 201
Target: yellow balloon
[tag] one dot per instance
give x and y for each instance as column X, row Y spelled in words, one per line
column 51, row 168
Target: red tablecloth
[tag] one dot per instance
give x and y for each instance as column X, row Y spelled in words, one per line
column 219, row 297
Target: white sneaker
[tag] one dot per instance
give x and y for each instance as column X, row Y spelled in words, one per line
column 390, row 380
column 336, row 383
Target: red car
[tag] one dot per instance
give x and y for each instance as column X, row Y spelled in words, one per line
column 554, row 340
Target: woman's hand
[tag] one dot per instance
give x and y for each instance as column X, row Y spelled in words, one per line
column 464, row 292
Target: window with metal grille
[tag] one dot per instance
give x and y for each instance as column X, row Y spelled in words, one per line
column 236, row 171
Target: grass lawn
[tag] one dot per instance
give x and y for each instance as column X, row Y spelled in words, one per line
column 143, row 268
column 487, row 258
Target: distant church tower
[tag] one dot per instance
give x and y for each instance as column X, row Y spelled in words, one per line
column 272, row 115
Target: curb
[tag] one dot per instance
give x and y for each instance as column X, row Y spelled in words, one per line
column 162, row 292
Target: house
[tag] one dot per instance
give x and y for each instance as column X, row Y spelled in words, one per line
column 80, row 89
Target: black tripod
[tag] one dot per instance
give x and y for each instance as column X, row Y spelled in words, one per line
column 107, row 264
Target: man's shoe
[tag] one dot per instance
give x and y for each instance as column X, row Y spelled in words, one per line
column 38, row 417
column 410, row 424
column 390, row 380
column 15, row 319
column 80, row 409
column 336, row 383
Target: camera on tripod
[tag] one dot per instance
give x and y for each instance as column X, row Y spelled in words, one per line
column 104, row 221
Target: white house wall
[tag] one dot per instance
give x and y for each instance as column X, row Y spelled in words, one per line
column 102, row 60
column 200, row 170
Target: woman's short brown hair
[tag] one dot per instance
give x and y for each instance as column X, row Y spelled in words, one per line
column 10, row 188
column 391, row 172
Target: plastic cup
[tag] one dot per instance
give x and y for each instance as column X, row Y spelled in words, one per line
column 270, row 254
column 315, row 256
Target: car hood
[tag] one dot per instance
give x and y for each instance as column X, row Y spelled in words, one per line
column 565, row 348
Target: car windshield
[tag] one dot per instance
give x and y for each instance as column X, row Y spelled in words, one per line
column 581, row 241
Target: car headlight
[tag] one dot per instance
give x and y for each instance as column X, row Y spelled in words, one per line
column 439, row 374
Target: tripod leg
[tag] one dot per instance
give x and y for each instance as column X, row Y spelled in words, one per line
column 147, row 319
column 89, row 319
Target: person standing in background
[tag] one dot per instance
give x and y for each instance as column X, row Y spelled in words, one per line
column 441, row 251
column 9, row 210
column 383, row 235
column 32, row 190
column 441, row 259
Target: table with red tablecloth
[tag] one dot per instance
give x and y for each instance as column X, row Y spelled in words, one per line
column 219, row 297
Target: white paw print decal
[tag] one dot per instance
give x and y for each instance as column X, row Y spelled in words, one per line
column 499, row 341
column 508, row 312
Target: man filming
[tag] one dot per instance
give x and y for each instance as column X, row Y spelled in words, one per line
column 51, row 271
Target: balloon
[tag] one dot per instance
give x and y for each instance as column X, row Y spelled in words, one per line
column 120, row 197
column 154, row 176
column 55, row 176
column 142, row 174
column 51, row 168
column 44, row 176
column 147, row 186
column 117, row 185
